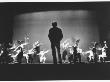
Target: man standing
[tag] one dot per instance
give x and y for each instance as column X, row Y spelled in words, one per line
column 55, row 36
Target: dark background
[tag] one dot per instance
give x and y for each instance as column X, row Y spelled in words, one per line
column 53, row 72
column 9, row 10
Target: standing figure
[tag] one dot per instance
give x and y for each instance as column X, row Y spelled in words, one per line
column 30, row 55
column 103, row 55
column 94, row 50
column 20, row 55
column 79, row 52
column 36, row 58
column 77, row 55
column 5, row 58
column 64, row 54
column 55, row 36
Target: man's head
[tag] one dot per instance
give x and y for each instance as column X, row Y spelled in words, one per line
column 54, row 24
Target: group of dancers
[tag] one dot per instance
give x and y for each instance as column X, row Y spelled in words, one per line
column 17, row 53
column 95, row 54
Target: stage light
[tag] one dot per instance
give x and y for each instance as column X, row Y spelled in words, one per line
column 75, row 24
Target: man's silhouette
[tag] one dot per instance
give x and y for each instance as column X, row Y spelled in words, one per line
column 55, row 35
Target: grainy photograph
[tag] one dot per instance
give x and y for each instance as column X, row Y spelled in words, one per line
column 54, row 41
